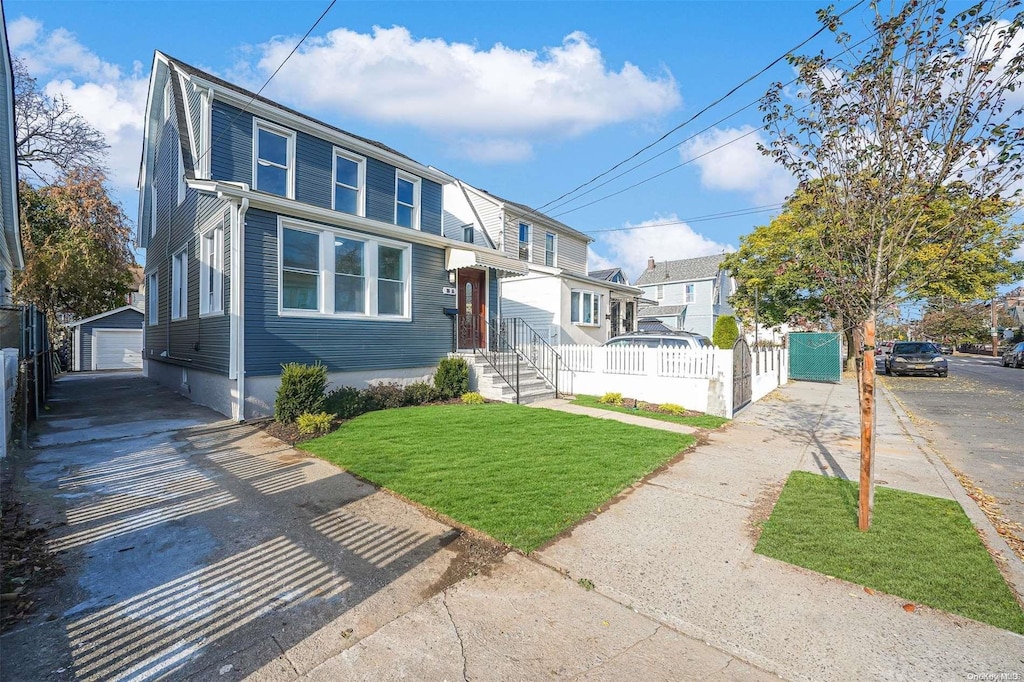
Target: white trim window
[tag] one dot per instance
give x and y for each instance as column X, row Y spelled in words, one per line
column 153, row 299
column 524, row 241
column 407, row 200
column 550, row 249
column 341, row 274
column 349, row 195
column 179, row 285
column 689, row 293
column 660, row 293
column 152, row 209
column 273, row 154
column 211, row 271
column 585, row 308
column 467, row 234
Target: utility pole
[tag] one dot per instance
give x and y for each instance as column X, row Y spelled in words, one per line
column 995, row 330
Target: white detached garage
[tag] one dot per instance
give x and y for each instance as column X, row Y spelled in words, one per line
column 110, row 340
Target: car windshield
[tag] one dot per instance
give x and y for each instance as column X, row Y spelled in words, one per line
column 911, row 348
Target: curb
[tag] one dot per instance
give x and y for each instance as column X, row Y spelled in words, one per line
column 1014, row 567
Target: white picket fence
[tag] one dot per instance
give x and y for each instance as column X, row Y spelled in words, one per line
column 700, row 380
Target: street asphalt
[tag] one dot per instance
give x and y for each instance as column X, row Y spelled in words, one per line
column 975, row 418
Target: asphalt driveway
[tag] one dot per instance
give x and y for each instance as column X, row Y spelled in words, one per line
column 196, row 548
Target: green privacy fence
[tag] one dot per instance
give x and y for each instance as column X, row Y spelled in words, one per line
column 815, row 356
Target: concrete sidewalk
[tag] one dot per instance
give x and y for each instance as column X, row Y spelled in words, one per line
column 563, row 405
column 679, row 593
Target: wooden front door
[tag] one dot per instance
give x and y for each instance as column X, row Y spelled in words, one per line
column 472, row 308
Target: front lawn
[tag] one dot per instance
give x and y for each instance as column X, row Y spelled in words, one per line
column 522, row 475
column 699, row 421
column 921, row 548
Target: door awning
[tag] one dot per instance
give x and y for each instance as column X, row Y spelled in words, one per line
column 464, row 258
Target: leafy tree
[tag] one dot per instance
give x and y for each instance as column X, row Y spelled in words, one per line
column 50, row 138
column 726, row 332
column 77, row 246
column 903, row 140
column 958, row 323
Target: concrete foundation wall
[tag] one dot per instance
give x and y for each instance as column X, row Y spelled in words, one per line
column 209, row 389
column 261, row 391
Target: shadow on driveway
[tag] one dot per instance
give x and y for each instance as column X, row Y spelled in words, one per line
column 199, row 548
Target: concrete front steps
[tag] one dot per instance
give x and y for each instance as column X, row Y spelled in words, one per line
column 485, row 379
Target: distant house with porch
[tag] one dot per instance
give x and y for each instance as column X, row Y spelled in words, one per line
column 690, row 294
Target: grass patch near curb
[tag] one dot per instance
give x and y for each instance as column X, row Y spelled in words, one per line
column 522, row 475
column 699, row 421
column 921, row 548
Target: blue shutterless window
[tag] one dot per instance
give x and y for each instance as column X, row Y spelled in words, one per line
column 407, row 201
column 349, row 180
column 274, row 156
column 349, row 276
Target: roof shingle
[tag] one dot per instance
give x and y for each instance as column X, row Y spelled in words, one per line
column 685, row 270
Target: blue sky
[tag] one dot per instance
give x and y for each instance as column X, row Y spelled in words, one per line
column 525, row 99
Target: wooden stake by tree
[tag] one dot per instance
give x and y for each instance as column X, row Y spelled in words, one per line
column 929, row 106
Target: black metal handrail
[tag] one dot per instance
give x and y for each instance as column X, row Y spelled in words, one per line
column 533, row 348
column 498, row 352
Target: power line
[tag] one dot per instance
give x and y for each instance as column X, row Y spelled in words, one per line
column 702, row 111
column 267, row 82
column 752, row 210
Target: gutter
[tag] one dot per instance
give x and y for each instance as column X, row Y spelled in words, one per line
column 236, row 332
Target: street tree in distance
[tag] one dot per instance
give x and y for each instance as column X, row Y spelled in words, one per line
column 50, row 138
column 957, row 323
column 926, row 106
column 77, row 243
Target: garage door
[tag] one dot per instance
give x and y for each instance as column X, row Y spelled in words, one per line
column 117, row 348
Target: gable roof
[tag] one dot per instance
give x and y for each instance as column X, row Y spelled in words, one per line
column 108, row 313
column 607, row 274
column 529, row 213
column 686, row 270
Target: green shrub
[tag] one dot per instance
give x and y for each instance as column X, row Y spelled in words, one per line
column 726, row 332
column 345, row 402
column 672, row 408
column 383, row 396
column 610, row 399
column 419, row 393
column 314, row 424
column 472, row 398
column 452, row 378
column 302, row 390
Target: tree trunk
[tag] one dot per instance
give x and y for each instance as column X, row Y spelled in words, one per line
column 867, row 425
column 856, row 353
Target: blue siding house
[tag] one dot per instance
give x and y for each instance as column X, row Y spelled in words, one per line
column 690, row 294
column 272, row 237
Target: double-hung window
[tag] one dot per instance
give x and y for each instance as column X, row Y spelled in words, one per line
column 660, row 293
column 524, row 241
column 273, row 158
column 550, row 242
column 179, row 286
column 407, row 200
column 585, row 308
column 349, row 180
column 211, row 271
column 335, row 273
column 467, row 234
column 689, row 293
column 153, row 296
column 300, row 270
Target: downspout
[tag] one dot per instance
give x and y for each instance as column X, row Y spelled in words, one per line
column 238, row 245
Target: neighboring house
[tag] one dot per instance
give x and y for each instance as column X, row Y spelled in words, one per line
column 110, row 340
column 610, row 275
column 12, row 258
column 691, row 293
column 556, row 296
column 272, row 237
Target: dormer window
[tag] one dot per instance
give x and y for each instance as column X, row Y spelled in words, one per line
column 407, row 200
column 273, row 159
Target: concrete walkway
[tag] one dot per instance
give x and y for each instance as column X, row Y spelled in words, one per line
column 679, row 593
column 596, row 412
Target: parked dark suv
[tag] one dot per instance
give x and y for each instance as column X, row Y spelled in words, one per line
column 1014, row 355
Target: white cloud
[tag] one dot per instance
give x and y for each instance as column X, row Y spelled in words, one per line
column 509, row 97
column 664, row 237
column 739, row 166
column 112, row 101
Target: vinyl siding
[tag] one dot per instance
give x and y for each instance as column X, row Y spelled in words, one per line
column 343, row 345
column 535, row 300
column 126, row 319
column 701, row 314
column 491, row 216
column 191, row 342
column 571, row 250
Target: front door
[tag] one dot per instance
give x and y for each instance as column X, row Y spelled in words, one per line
column 472, row 308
